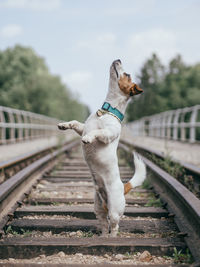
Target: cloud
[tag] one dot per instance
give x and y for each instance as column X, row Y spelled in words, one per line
column 81, row 82
column 38, row 5
column 141, row 45
column 135, row 49
column 120, row 10
column 102, row 40
column 160, row 41
column 11, row 31
column 102, row 48
column 106, row 38
column 78, row 79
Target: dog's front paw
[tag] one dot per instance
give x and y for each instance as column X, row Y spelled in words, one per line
column 88, row 139
column 64, row 126
column 61, row 126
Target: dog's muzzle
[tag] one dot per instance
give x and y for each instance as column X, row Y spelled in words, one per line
column 116, row 62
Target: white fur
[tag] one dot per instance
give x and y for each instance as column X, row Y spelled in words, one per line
column 140, row 171
column 100, row 138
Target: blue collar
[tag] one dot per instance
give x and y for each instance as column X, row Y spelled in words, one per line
column 114, row 111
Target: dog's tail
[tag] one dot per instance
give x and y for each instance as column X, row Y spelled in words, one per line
column 139, row 175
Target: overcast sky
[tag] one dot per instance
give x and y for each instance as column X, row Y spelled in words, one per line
column 79, row 39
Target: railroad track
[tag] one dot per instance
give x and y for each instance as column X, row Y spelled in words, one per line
column 10, row 167
column 189, row 174
column 54, row 222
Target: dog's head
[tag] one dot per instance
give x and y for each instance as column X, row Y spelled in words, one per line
column 123, row 80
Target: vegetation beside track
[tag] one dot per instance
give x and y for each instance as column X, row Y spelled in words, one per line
column 175, row 169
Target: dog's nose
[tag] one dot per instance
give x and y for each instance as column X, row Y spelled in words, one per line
column 117, row 61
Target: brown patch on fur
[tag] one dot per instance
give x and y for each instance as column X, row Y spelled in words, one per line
column 105, row 207
column 127, row 86
column 127, row 188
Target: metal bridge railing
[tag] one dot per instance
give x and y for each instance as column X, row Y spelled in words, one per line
column 181, row 124
column 19, row 125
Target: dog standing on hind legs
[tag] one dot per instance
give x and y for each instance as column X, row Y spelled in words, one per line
column 100, row 137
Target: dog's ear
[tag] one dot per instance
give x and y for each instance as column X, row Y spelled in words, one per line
column 127, row 86
column 135, row 90
column 124, row 83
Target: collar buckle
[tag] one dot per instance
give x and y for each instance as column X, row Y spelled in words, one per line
column 106, row 106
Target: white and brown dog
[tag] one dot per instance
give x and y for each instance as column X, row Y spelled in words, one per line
column 100, row 138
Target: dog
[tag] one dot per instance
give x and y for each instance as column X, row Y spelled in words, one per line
column 100, row 138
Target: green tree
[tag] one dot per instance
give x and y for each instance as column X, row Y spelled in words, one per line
column 165, row 88
column 26, row 83
column 150, row 79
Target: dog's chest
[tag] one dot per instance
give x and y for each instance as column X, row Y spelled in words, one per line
column 92, row 123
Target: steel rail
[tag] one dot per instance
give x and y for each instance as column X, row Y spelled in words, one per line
column 16, row 160
column 190, row 169
column 19, row 246
column 179, row 201
column 9, row 167
column 68, row 168
column 17, row 183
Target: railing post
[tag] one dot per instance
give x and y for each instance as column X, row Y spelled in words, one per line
column 11, row 129
column 162, row 118
column 165, row 123
column 182, row 126
column 25, row 129
column 193, row 119
column 159, row 126
column 169, row 120
column 19, row 126
column 3, row 129
column 32, row 131
column 175, row 124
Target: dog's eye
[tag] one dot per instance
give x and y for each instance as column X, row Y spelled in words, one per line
column 128, row 75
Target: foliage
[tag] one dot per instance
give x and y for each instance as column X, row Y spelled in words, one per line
column 176, row 170
column 165, row 88
column 146, row 184
column 87, row 234
column 21, row 231
column 173, row 168
column 180, row 257
column 26, row 83
column 9, row 230
column 152, row 202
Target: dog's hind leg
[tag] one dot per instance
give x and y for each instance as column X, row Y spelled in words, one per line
column 116, row 208
column 114, row 224
column 101, row 214
column 75, row 125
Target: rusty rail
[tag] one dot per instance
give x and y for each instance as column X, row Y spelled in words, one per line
column 189, row 169
column 17, row 184
column 183, row 204
column 10, row 167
